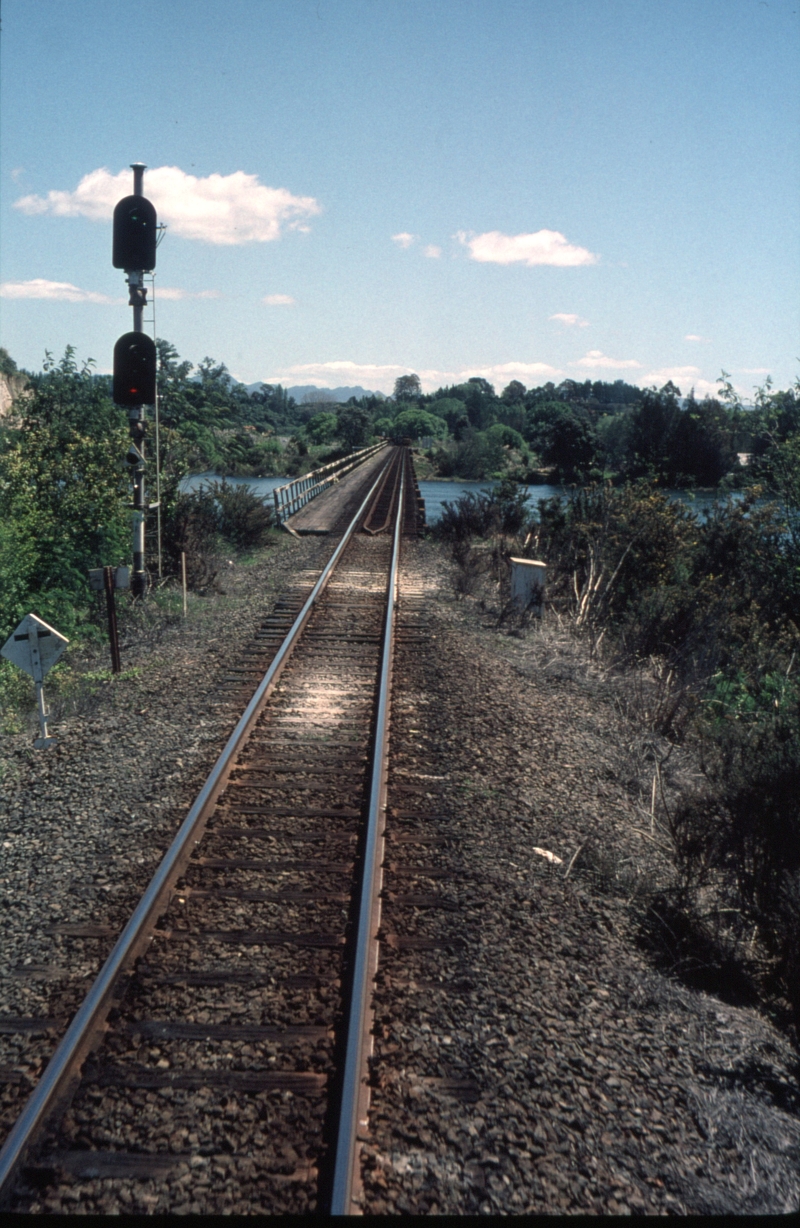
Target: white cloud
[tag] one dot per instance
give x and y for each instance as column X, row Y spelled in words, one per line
column 505, row 371
column 17, row 173
column 597, row 359
column 541, row 247
column 754, row 370
column 55, row 291
column 222, row 209
column 382, row 377
column 684, row 378
column 697, row 337
column 404, row 239
column 678, row 375
column 174, row 293
column 565, row 317
column 330, row 374
column 279, row 300
column 433, row 252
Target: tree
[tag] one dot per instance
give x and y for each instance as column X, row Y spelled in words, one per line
column 407, row 388
column 571, row 447
column 7, row 364
column 653, row 424
column 322, row 428
column 702, row 446
column 513, row 393
column 453, row 412
column 506, row 435
column 480, row 402
column 67, row 398
column 613, row 433
column 415, row 423
column 63, row 494
column 353, row 426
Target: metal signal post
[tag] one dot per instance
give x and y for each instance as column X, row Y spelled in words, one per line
column 135, row 233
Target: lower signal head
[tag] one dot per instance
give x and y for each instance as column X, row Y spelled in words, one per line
column 134, row 370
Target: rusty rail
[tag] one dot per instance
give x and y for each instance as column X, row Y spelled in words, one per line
column 355, row 1089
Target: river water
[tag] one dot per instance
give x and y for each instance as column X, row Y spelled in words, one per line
column 435, row 493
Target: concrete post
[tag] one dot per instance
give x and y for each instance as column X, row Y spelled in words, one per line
column 527, row 585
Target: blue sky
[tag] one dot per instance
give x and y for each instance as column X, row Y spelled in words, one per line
column 359, row 188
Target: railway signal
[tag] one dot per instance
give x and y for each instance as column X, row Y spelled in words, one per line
column 35, row 647
column 134, row 370
column 134, row 250
column 135, row 234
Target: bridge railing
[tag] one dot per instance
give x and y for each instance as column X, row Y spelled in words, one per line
column 293, row 495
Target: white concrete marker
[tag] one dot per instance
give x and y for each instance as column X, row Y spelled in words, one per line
column 35, row 646
column 527, row 584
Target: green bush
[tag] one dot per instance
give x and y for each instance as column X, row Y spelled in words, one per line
column 503, row 509
column 477, row 455
column 201, row 522
column 245, row 518
column 63, row 490
column 714, row 598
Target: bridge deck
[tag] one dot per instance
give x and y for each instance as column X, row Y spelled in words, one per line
column 322, row 514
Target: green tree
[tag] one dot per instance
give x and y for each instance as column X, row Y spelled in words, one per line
column 506, row 436
column 63, row 494
column 571, row 447
column 702, row 445
column 353, row 424
column 653, row 424
column 322, row 428
column 513, row 393
column 415, row 423
column 563, row 436
column 454, row 413
column 407, row 388
column 480, row 402
column 613, row 438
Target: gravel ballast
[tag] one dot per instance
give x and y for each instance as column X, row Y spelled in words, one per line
column 533, row 1061
column 84, row 824
column 537, row 1064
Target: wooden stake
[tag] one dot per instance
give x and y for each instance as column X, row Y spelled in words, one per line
column 183, row 579
column 111, row 609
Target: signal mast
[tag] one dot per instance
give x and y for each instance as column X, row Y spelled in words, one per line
column 134, row 251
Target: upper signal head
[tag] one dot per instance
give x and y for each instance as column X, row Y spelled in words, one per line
column 135, row 233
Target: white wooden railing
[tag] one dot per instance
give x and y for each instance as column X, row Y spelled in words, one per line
column 290, row 497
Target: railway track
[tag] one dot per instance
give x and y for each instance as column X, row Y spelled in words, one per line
column 221, row 1057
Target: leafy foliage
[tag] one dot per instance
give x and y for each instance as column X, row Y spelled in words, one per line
column 416, row 423
column 502, row 509
column 63, row 487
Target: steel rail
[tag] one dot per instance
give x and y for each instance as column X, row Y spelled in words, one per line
column 62, row 1068
column 355, row 1089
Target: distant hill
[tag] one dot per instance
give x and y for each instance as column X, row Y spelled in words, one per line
column 309, row 393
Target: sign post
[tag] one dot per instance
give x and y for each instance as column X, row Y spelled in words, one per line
column 35, row 647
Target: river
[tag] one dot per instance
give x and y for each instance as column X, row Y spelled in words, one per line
column 435, row 493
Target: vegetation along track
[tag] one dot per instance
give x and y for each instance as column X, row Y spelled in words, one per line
column 220, row 1057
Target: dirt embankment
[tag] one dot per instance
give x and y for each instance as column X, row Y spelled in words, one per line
column 11, row 386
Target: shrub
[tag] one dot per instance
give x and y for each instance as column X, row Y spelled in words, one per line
column 63, row 494
column 198, row 523
column 502, row 509
column 244, row 517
